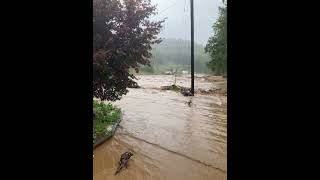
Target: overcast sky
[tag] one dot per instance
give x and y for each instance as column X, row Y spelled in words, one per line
column 178, row 23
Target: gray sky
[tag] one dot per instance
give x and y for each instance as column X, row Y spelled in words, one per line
column 178, row 23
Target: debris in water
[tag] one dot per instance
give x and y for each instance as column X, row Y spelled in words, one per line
column 135, row 85
column 186, row 92
column 123, row 162
column 189, row 103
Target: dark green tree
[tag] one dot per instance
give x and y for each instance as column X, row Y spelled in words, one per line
column 217, row 44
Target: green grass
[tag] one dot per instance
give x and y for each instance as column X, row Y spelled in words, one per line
column 105, row 114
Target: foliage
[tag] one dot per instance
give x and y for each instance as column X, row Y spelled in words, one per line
column 122, row 39
column 217, row 45
column 104, row 115
column 173, row 87
column 105, row 112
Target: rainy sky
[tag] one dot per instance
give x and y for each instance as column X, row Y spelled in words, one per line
column 178, row 23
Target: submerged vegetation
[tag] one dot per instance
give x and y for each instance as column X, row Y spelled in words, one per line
column 172, row 88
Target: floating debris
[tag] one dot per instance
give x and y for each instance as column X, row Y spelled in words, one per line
column 123, row 162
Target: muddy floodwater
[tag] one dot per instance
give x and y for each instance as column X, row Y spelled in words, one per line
column 170, row 140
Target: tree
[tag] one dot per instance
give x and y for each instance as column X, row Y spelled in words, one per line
column 122, row 39
column 217, row 45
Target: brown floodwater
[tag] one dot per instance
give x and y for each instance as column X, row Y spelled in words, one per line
column 170, row 140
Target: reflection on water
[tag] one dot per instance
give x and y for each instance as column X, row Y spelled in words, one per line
column 169, row 139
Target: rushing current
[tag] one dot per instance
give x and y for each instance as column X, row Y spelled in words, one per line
column 170, row 139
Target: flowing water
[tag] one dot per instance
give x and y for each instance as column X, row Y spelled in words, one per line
column 169, row 139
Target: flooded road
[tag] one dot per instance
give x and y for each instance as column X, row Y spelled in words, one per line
column 169, row 139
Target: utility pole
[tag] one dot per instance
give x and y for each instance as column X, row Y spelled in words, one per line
column 192, row 48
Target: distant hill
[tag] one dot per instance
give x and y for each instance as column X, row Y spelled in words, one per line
column 173, row 54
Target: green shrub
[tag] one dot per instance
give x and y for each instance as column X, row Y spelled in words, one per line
column 104, row 115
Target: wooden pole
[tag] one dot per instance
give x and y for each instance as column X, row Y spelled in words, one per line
column 192, row 48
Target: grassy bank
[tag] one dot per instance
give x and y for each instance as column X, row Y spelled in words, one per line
column 105, row 115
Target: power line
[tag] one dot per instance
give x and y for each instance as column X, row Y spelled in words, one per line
column 174, row 3
column 185, row 5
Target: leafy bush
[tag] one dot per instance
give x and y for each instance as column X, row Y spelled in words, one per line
column 104, row 115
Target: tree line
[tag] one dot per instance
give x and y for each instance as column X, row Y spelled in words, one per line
column 217, row 44
column 173, row 54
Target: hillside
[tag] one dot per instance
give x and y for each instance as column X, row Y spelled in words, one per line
column 173, row 54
